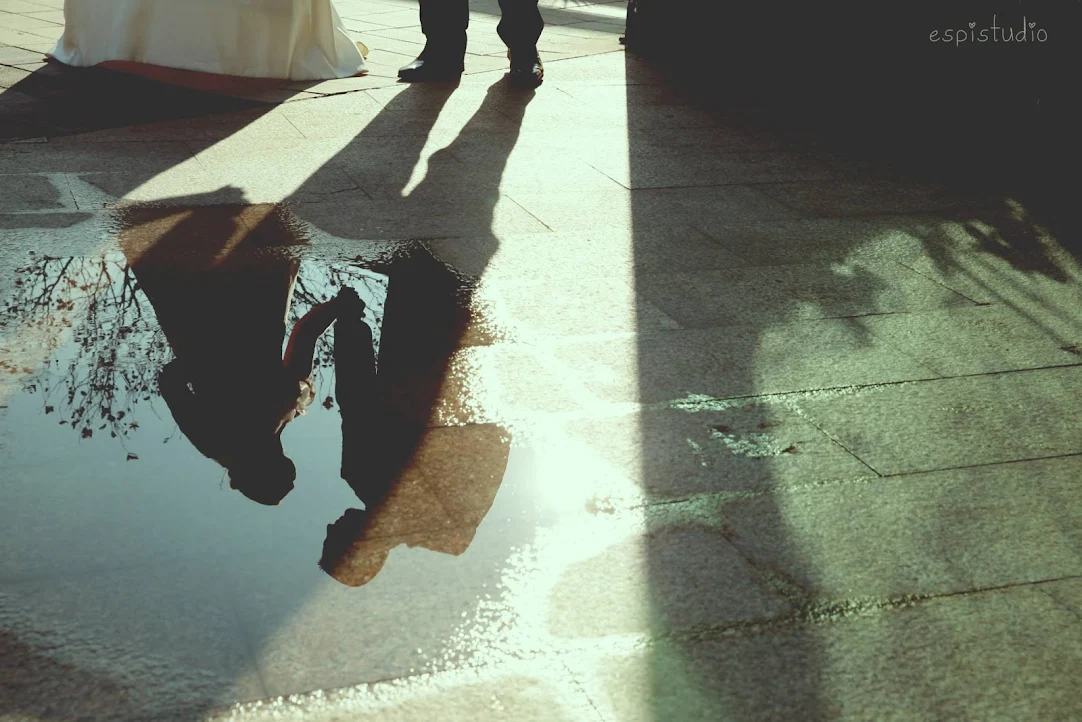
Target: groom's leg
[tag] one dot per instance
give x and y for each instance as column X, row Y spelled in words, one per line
column 520, row 26
column 355, row 388
column 444, row 24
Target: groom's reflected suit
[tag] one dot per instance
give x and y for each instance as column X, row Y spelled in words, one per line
column 427, row 317
column 389, row 457
column 417, row 489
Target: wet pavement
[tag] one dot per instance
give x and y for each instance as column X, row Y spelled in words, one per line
column 620, row 406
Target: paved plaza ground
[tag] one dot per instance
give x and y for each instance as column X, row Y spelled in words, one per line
column 718, row 422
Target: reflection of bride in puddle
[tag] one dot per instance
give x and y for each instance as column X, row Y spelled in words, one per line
column 231, row 390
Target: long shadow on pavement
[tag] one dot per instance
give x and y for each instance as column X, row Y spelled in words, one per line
column 731, row 598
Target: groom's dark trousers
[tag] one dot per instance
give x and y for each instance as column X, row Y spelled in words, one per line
column 444, row 24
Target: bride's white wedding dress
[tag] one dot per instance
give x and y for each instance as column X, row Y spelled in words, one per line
column 286, row 39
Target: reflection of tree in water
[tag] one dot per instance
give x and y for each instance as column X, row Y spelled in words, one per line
column 103, row 345
column 105, row 348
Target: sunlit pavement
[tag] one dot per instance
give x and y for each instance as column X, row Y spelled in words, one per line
column 713, row 426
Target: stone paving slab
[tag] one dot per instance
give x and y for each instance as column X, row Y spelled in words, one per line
column 179, row 186
column 994, row 258
column 845, row 198
column 547, row 256
column 38, row 192
column 575, row 308
column 505, row 381
column 823, row 240
column 532, row 691
column 1067, row 592
column 977, row 340
column 10, row 55
column 566, row 211
column 100, row 157
column 749, row 447
column 738, row 361
column 601, row 596
column 936, row 533
column 955, row 422
column 387, row 219
column 1008, row 654
column 673, row 168
column 789, row 293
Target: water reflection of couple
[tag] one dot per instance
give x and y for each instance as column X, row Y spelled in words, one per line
column 232, row 392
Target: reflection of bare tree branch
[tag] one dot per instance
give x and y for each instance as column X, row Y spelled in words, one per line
column 106, row 351
column 94, row 382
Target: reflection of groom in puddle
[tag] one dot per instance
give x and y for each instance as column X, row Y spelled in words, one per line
column 421, row 486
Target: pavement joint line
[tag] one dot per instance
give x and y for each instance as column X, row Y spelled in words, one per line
column 938, row 281
column 704, row 403
column 1040, row 587
column 1067, row 455
column 711, row 505
column 831, row 611
column 577, row 684
column 792, row 592
column 528, row 212
column 802, row 414
column 703, row 504
column 838, row 442
column 617, row 181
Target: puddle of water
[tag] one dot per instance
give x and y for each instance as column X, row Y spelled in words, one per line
column 145, row 446
column 152, row 360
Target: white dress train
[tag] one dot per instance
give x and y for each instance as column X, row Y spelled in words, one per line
column 284, row 39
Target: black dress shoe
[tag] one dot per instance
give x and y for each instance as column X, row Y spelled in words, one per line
column 526, row 69
column 425, row 69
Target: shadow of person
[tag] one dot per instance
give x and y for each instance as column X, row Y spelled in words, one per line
column 55, row 99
